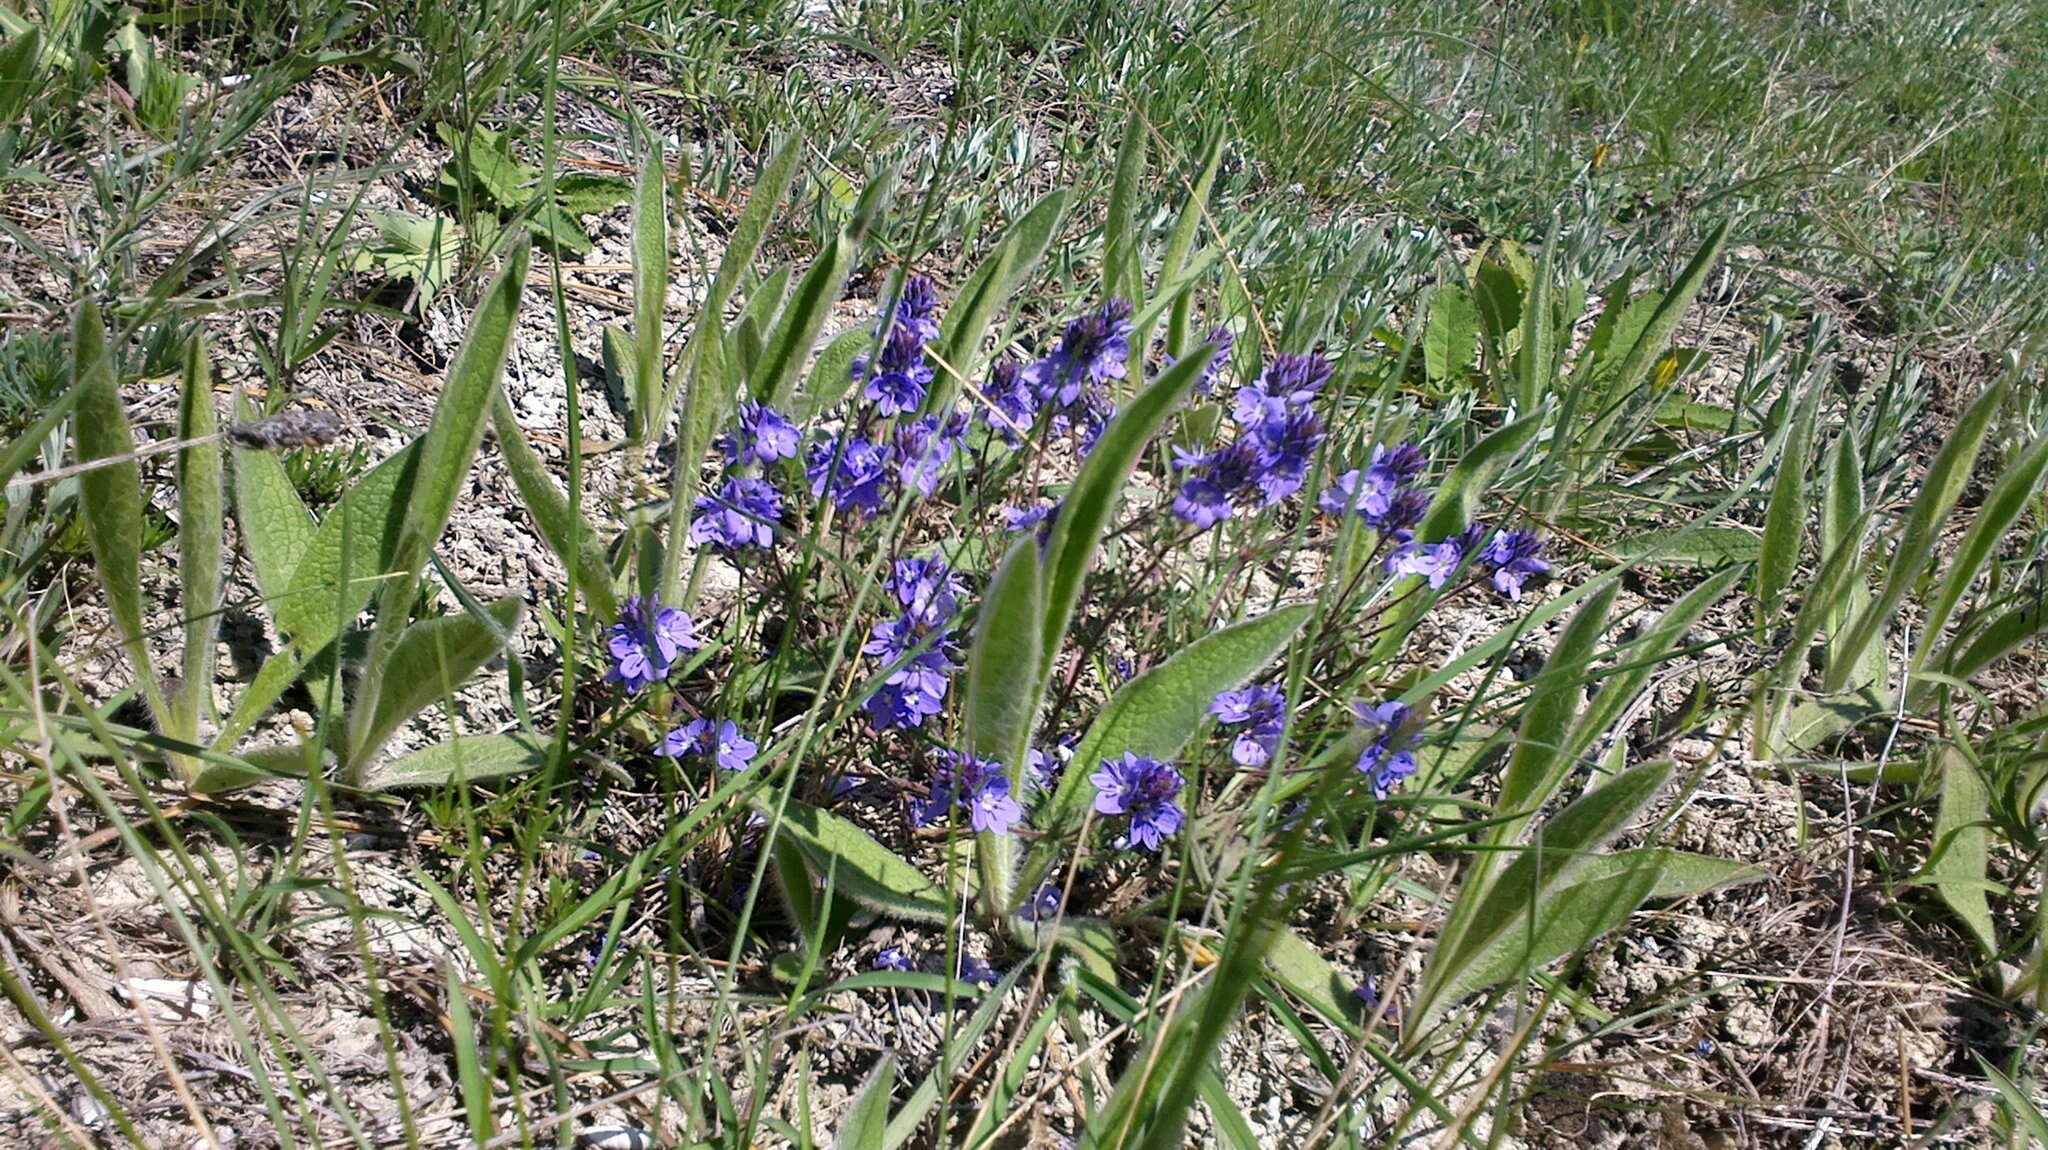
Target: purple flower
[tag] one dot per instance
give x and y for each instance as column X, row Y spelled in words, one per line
column 1397, row 465
column 1512, row 554
column 722, row 740
column 1012, row 404
column 1388, row 759
column 646, row 641
column 854, row 471
column 762, row 436
column 893, row 958
column 1377, row 498
column 921, row 451
column 1202, row 503
column 742, row 514
column 1296, row 378
column 1262, row 711
column 1045, row 904
column 976, row 971
column 1144, row 789
column 1285, row 446
column 974, row 784
column 1216, row 482
column 895, row 392
column 1094, row 349
column 1436, row 562
column 929, row 590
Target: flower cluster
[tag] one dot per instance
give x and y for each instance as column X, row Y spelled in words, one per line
column 646, row 641
column 918, row 643
column 1389, row 758
column 897, row 379
column 721, row 740
column 1068, row 382
column 1262, row 713
column 1384, row 494
column 1278, row 433
column 1143, row 789
column 975, row 785
column 1511, row 557
column 745, row 510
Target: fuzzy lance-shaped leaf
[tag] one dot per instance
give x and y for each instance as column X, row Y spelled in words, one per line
column 1093, row 498
column 989, row 287
column 1785, row 517
column 1679, row 874
column 1958, row 866
column 201, row 512
column 1003, row 683
column 1309, row 976
column 1453, row 332
column 1155, row 714
column 1540, row 763
column 1488, row 938
column 257, row 765
column 796, row 329
column 1710, row 547
column 861, row 868
column 2016, row 488
column 358, row 541
column 275, row 525
column 742, row 245
column 446, row 453
column 650, row 290
column 470, row 759
column 20, row 73
column 433, row 659
column 110, row 496
column 556, row 520
column 1997, row 639
column 1187, row 225
column 1946, row 478
column 831, row 375
column 1457, row 500
column 1121, row 274
column 1641, row 658
column 1662, row 324
column 1536, row 362
column 865, row 1124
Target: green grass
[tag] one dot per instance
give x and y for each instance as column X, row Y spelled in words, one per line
column 1438, row 197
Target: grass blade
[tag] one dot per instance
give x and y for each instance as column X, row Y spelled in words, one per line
column 201, row 510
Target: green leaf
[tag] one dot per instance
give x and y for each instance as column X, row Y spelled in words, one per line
column 20, row 73
column 2016, row 488
column 1641, row 658
column 1540, row 761
column 262, row 764
column 446, row 453
column 110, row 496
column 796, row 329
column 1998, row 639
column 831, row 376
column 201, row 513
column 433, row 659
column 1679, row 874
column 1501, row 929
column 865, row 1124
column 1121, row 274
column 1946, row 478
column 862, row 868
column 1785, row 517
column 1309, row 976
column 276, row 527
column 1671, row 307
column 472, row 759
column 555, row 519
column 1004, row 690
column 1959, row 863
column 1710, row 547
column 1093, row 497
column 1453, row 332
column 1457, row 500
column 1003, row 682
column 359, row 536
column 587, row 194
column 650, row 291
column 925, row 1097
